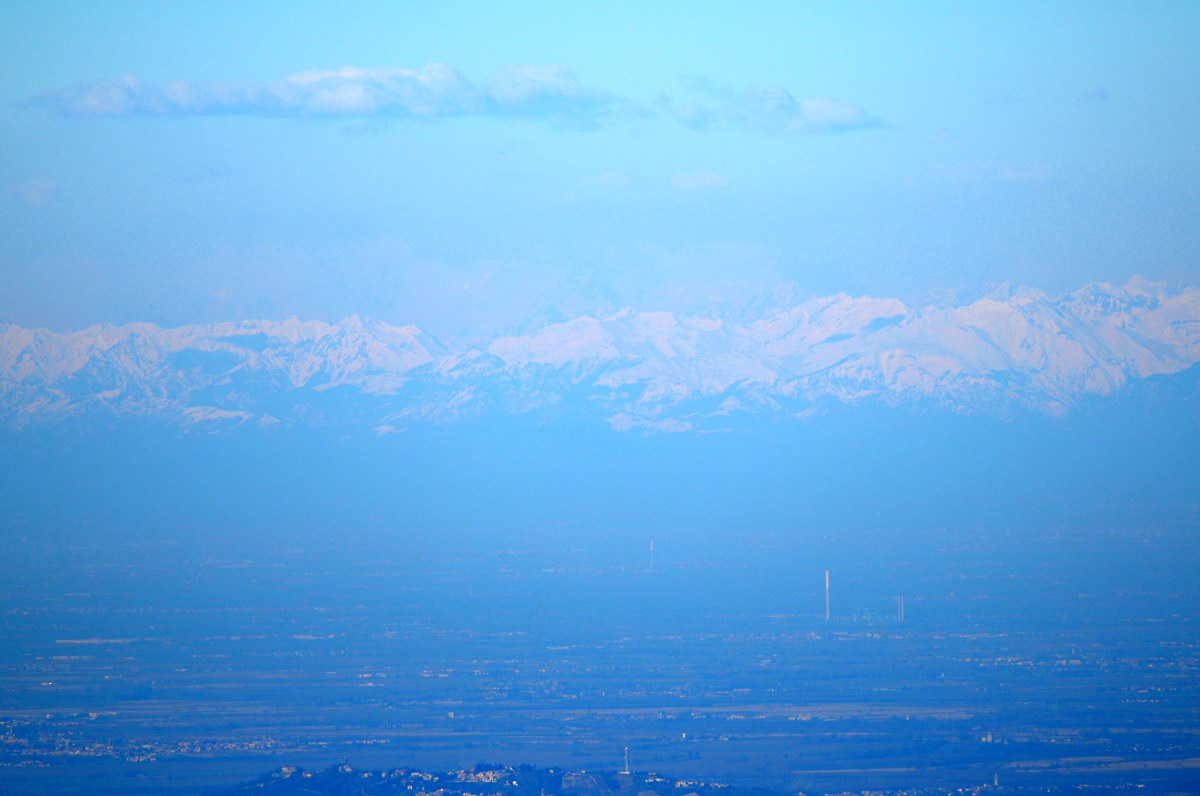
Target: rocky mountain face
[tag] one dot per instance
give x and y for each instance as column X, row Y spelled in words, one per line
column 1001, row 353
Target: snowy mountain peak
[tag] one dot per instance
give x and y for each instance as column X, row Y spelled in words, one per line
column 1005, row 349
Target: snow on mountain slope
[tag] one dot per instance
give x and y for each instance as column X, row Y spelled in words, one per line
column 217, row 370
column 1006, row 351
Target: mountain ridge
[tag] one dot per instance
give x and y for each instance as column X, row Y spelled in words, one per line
column 1001, row 352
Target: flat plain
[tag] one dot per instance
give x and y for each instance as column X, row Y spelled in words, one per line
column 191, row 664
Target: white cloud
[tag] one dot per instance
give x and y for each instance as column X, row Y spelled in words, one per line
column 545, row 91
column 435, row 91
column 551, row 92
column 825, row 115
column 770, row 110
column 697, row 180
column 695, row 116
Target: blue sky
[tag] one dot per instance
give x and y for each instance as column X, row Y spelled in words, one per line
column 459, row 165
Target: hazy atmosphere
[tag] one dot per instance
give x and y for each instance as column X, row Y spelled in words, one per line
column 623, row 399
column 457, row 166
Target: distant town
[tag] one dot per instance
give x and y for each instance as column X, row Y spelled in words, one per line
column 495, row 780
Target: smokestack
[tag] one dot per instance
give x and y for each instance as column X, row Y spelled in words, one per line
column 826, row 595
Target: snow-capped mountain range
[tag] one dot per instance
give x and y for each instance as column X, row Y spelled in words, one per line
column 1007, row 351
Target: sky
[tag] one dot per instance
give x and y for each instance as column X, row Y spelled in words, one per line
column 462, row 166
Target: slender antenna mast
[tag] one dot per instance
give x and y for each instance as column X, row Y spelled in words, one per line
column 826, row 595
column 626, row 771
column 651, row 561
column 900, row 608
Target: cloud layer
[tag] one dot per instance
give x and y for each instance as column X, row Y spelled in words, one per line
column 770, row 110
column 548, row 92
column 437, row 91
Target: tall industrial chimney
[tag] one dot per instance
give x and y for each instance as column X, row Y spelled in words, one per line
column 826, row 595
